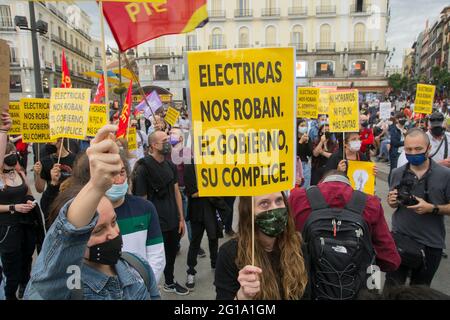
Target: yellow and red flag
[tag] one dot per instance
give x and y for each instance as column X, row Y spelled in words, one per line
column 137, row 22
column 65, row 79
column 100, row 91
column 124, row 118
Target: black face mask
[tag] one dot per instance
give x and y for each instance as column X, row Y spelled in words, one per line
column 107, row 253
column 435, row 131
column 402, row 122
column 365, row 124
column 50, row 148
column 11, row 160
column 327, row 135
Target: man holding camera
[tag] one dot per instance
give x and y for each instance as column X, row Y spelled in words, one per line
column 420, row 193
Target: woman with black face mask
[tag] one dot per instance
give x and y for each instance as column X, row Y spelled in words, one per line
column 17, row 225
column 82, row 256
column 279, row 271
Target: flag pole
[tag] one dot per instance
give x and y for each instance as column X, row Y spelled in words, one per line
column 253, row 231
column 136, row 80
column 105, row 71
column 60, row 150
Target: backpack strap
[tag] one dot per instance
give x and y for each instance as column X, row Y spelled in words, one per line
column 316, row 199
column 357, row 202
column 137, row 264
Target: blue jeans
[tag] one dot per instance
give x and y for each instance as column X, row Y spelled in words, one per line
column 384, row 153
column 2, row 282
column 306, row 174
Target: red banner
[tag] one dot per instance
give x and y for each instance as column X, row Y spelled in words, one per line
column 134, row 23
column 100, row 91
column 65, row 78
column 124, row 118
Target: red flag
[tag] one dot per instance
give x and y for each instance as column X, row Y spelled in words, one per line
column 100, row 91
column 65, row 79
column 124, row 118
column 134, row 23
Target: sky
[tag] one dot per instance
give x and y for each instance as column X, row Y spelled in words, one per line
column 408, row 19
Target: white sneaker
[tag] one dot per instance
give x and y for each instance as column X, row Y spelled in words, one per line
column 190, row 282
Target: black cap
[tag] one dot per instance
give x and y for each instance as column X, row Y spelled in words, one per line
column 436, row 119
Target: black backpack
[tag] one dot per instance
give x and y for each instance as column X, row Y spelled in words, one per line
column 338, row 247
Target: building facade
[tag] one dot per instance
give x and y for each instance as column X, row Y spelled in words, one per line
column 68, row 29
column 339, row 43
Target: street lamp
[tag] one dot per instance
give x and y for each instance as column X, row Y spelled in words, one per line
column 41, row 27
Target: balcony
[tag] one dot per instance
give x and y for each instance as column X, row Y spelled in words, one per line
column 66, row 45
column 326, row 10
column 300, row 47
column 159, row 52
column 217, row 47
column 217, row 14
column 270, row 12
column 6, row 24
column 270, row 45
column 360, row 46
column 60, row 15
column 360, row 10
column 191, row 48
column 325, row 47
column 243, row 45
column 243, row 14
column 297, row 11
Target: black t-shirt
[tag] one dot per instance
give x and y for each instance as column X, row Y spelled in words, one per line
column 66, row 166
column 165, row 206
column 333, row 161
column 304, row 150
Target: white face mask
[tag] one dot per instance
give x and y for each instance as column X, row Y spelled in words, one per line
column 355, row 146
column 302, row 130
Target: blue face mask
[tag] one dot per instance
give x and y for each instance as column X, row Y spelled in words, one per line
column 416, row 159
column 117, row 192
column 174, row 141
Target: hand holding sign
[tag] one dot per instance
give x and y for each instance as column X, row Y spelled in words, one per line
column 6, row 122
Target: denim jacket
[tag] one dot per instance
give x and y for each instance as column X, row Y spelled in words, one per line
column 61, row 261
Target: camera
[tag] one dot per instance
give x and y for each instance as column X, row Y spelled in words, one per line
column 405, row 196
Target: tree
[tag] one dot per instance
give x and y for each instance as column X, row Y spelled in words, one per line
column 397, row 82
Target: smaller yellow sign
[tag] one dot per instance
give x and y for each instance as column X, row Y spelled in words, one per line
column 172, row 116
column 324, row 100
column 69, row 113
column 344, row 111
column 98, row 117
column 362, row 177
column 424, row 98
column 34, row 115
column 14, row 113
column 131, row 137
column 308, row 102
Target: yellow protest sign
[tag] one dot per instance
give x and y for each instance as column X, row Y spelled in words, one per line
column 98, row 117
column 324, row 99
column 424, row 98
column 132, row 139
column 243, row 118
column 14, row 113
column 344, row 111
column 362, row 176
column 172, row 116
column 307, row 102
column 34, row 120
column 4, row 75
column 69, row 113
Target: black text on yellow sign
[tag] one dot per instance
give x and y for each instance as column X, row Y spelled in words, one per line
column 69, row 113
column 344, row 111
column 98, row 117
column 34, row 120
column 243, row 117
column 14, row 113
column 308, row 102
column 424, row 99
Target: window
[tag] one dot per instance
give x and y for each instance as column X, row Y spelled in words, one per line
column 65, row 36
column 15, row 84
column 271, row 36
column 71, row 40
column 59, row 33
column 243, row 6
column 359, row 5
column 358, row 68
column 161, row 72
column 297, row 35
column 296, row 3
column 217, row 39
column 43, row 54
column 271, row 4
column 360, row 33
column 324, row 68
column 13, row 55
column 325, row 34
column 191, row 41
column 244, row 41
column 5, row 17
column 160, row 42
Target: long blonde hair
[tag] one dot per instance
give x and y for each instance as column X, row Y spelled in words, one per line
column 293, row 276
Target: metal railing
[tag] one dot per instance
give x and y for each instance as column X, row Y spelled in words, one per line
column 360, row 46
column 268, row 45
column 161, row 51
column 243, row 13
column 299, row 46
column 326, row 46
column 324, row 10
column 67, row 45
column 217, row 46
column 191, row 48
column 218, row 14
column 6, row 23
column 297, row 11
column 243, row 45
column 270, row 12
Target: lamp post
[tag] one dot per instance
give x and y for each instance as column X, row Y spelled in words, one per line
column 41, row 27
